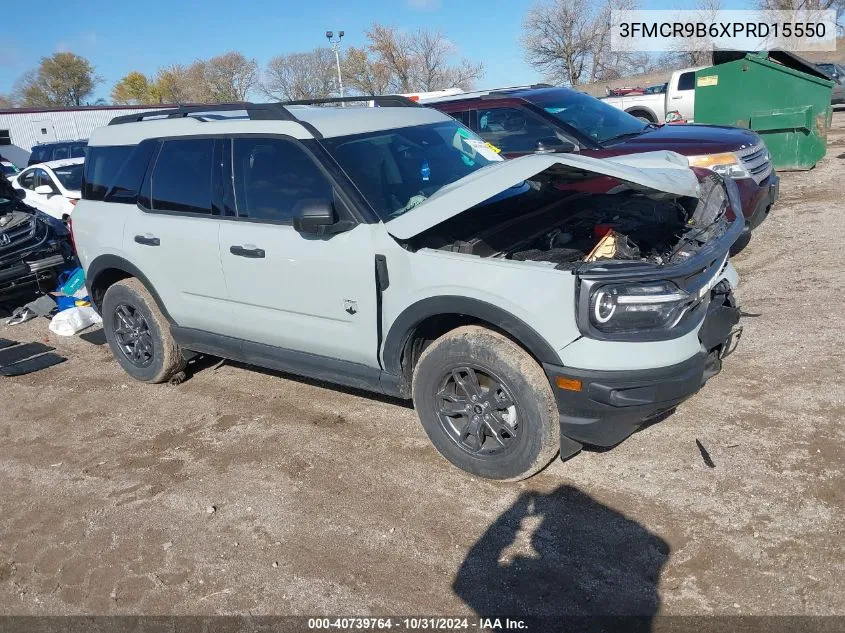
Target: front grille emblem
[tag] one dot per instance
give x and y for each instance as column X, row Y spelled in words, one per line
column 5, row 240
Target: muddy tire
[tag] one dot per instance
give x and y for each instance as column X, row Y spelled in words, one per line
column 486, row 404
column 138, row 333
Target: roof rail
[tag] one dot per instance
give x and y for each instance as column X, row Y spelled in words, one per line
column 396, row 101
column 255, row 111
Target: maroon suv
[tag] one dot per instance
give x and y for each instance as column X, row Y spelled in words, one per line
column 522, row 121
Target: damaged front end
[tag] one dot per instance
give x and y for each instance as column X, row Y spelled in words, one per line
column 34, row 247
column 645, row 259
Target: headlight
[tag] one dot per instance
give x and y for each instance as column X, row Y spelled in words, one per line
column 726, row 164
column 631, row 307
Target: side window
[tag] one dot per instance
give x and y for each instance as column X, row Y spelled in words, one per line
column 513, row 129
column 43, row 178
column 101, row 167
column 686, row 81
column 28, row 180
column 38, row 155
column 77, row 150
column 127, row 181
column 61, row 151
column 272, row 176
column 181, row 178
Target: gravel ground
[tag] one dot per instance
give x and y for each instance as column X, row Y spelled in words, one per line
column 245, row 491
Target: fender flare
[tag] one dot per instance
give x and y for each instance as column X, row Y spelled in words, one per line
column 103, row 263
column 408, row 320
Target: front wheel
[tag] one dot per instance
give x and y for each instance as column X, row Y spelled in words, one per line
column 486, row 404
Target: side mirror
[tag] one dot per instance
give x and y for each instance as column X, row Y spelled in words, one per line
column 550, row 144
column 44, row 190
column 314, row 216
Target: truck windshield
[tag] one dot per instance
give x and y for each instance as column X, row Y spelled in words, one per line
column 397, row 169
column 590, row 116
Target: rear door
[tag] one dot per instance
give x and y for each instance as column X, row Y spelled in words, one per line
column 308, row 293
column 172, row 235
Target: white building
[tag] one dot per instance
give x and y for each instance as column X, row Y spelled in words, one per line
column 23, row 128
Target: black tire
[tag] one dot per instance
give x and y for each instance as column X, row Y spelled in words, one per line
column 155, row 357
column 643, row 116
column 528, row 431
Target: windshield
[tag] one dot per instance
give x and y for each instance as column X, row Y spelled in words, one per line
column 588, row 115
column 397, row 169
column 70, row 176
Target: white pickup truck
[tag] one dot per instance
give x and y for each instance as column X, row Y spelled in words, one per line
column 679, row 97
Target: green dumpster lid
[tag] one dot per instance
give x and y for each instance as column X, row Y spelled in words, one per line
column 785, row 58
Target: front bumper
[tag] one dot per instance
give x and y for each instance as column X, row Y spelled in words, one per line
column 611, row 405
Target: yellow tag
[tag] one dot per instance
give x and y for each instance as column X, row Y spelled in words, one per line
column 494, row 148
column 709, row 80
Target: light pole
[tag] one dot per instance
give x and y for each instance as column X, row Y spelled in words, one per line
column 336, row 48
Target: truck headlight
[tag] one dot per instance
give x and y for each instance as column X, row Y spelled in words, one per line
column 631, row 307
column 726, row 164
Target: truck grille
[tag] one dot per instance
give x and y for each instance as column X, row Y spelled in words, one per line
column 22, row 238
column 756, row 161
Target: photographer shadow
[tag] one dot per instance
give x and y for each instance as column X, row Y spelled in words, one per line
column 564, row 554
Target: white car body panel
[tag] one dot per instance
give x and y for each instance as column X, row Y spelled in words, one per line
column 57, row 205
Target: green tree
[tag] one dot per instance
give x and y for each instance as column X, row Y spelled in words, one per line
column 64, row 79
column 134, row 89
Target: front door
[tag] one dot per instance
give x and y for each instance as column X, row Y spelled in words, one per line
column 299, row 292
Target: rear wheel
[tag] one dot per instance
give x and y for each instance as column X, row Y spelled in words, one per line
column 486, row 404
column 138, row 333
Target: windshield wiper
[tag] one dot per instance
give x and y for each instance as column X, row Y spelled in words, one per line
column 624, row 135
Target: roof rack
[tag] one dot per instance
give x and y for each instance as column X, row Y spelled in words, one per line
column 397, row 101
column 255, row 111
column 260, row 111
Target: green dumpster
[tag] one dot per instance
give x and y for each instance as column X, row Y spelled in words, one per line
column 782, row 97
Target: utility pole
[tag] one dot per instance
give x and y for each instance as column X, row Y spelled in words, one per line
column 336, row 48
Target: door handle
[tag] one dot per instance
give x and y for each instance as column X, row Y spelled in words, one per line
column 247, row 251
column 679, row 97
column 148, row 240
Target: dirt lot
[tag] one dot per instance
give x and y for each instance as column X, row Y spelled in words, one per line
column 244, row 491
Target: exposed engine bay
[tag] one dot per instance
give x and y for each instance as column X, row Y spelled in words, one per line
column 568, row 229
column 34, row 247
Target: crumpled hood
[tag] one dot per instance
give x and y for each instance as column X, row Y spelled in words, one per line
column 662, row 171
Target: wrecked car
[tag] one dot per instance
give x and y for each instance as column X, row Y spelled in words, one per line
column 528, row 307
column 34, row 247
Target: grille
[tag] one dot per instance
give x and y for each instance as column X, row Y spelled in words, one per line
column 22, row 238
column 756, row 161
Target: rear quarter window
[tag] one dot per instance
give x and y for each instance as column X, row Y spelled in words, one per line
column 102, row 166
column 127, row 182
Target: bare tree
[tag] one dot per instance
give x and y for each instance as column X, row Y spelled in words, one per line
column 6, row 102
column 399, row 61
column 311, row 75
column 367, row 76
column 558, row 39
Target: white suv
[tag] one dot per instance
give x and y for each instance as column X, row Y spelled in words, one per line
column 527, row 306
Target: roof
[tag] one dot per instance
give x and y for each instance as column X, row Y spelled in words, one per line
column 64, row 162
column 304, row 121
column 510, row 91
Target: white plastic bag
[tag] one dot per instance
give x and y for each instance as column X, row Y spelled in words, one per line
column 69, row 322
